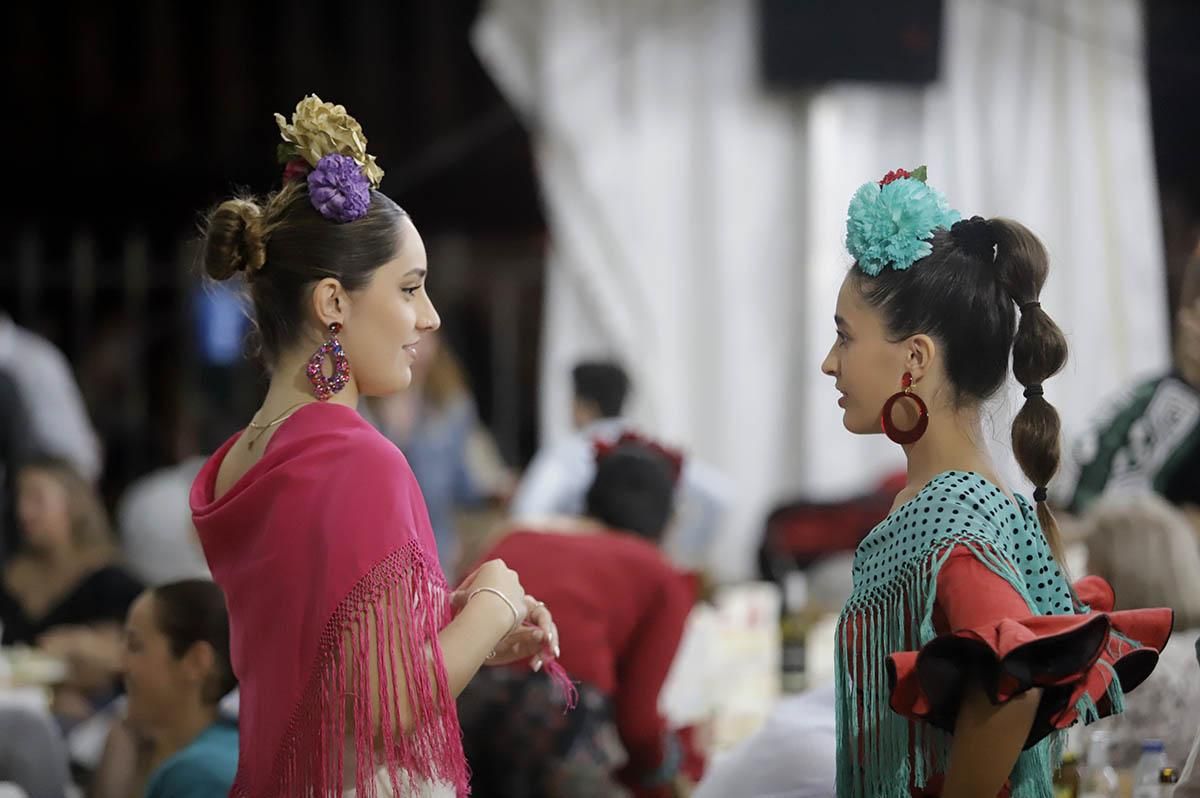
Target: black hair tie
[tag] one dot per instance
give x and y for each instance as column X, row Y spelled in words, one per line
column 1027, row 306
column 975, row 236
column 1039, row 495
column 1033, row 390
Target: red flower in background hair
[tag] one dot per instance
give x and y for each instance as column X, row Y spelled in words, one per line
column 894, row 175
column 296, row 169
column 674, row 457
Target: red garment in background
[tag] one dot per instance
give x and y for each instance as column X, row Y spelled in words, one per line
column 620, row 607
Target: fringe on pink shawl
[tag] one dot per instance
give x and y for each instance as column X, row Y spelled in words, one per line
column 381, row 642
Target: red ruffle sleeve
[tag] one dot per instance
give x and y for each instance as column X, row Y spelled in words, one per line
column 985, row 630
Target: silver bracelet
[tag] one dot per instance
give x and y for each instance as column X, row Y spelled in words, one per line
column 504, row 598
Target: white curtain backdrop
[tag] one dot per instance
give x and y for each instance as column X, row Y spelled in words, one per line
column 697, row 219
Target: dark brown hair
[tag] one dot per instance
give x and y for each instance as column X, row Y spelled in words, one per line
column 283, row 245
column 633, row 491
column 193, row 611
column 968, row 298
column 603, row 383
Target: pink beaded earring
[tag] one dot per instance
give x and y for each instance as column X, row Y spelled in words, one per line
column 325, row 387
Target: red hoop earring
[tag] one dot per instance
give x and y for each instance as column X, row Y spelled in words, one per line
column 325, row 387
column 904, row 436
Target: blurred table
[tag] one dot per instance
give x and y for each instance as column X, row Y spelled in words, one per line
column 27, row 677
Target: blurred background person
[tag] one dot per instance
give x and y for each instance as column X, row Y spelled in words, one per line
column 436, row 425
column 15, row 448
column 64, row 591
column 1149, row 439
column 58, row 415
column 557, row 479
column 177, row 669
column 620, row 606
column 158, row 540
column 1148, row 551
column 33, row 757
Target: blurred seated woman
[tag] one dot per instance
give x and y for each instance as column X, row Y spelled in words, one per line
column 436, row 424
column 1146, row 549
column 621, row 608
column 62, row 591
column 177, row 670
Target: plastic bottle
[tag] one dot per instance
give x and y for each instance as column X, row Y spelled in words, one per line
column 1099, row 778
column 1149, row 766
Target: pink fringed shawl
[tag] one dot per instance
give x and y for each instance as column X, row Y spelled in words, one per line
column 322, row 548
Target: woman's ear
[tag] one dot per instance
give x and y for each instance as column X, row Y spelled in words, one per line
column 919, row 355
column 330, row 302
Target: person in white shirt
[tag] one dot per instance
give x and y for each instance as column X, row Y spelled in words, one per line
column 158, row 541
column 558, row 477
column 57, row 413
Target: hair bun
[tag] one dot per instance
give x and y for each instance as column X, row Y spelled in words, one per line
column 235, row 239
column 975, row 236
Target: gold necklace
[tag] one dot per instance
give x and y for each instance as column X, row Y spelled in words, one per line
column 279, row 419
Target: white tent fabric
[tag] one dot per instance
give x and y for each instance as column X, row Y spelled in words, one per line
column 697, row 219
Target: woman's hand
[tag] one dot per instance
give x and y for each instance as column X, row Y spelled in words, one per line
column 537, row 638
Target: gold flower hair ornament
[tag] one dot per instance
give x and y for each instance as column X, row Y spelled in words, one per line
column 318, row 129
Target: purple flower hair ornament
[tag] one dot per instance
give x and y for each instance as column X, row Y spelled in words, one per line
column 338, row 188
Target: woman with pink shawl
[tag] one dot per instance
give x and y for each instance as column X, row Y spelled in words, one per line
column 348, row 644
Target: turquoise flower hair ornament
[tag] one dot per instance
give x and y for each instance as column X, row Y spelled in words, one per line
column 890, row 222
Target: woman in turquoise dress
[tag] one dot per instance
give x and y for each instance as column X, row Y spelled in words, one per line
column 177, row 670
column 964, row 651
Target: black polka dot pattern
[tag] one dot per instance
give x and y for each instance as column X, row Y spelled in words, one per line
column 959, row 507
